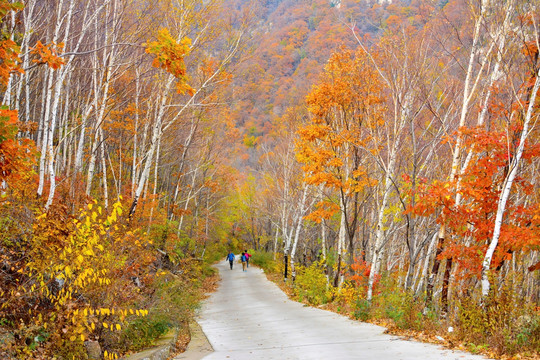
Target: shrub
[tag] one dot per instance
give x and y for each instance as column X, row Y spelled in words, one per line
column 215, row 252
column 503, row 323
column 362, row 310
column 143, row 332
column 311, row 284
column 392, row 302
column 173, row 303
column 264, row 260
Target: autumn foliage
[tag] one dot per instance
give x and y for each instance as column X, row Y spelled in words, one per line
column 74, row 272
column 170, row 56
column 371, row 152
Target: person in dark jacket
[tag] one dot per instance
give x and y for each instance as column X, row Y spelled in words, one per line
column 243, row 259
column 230, row 257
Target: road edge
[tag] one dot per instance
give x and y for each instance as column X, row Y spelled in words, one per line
column 198, row 347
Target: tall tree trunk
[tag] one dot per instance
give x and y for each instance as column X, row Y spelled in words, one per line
column 298, row 229
column 156, row 135
column 104, row 171
column 381, row 222
column 445, row 286
column 507, row 187
column 341, row 244
column 469, row 87
column 427, row 258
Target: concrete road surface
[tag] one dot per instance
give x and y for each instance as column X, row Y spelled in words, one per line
column 249, row 317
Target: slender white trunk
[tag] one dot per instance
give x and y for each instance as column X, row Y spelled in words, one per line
column 381, row 222
column 323, row 239
column 276, row 236
column 92, row 162
column 468, row 90
column 285, row 204
column 505, row 194
column 7, row 94
column 156, row 134
column 185, row 148
column 104, row 170
column 54, row 109
column 495, row 74
column 82, row 136
column 300, row 221
column 136, row 128
column 154, row 191
column 426, row 262
column 108, row 60
column 45, row 133
column 28, row 14
column 323, row 245
column 188, row 199
column 341, row 240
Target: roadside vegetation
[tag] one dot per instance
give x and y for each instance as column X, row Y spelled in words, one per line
column 503, row 328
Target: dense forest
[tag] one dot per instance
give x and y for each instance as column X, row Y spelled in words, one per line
column 379, row 155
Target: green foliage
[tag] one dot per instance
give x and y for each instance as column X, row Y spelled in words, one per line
column 392, row 305
column 215, row 252
column 264, row 260
column 392, row 302
column 362, row 310
column 173, row 303
column 311, row 284
column 142, row 333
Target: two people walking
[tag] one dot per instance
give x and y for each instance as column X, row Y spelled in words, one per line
column 244, row 258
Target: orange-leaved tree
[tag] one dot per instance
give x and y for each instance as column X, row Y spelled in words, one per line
column 170, row 56
column 346, row 101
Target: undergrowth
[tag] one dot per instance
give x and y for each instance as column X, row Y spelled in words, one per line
column 502, row 326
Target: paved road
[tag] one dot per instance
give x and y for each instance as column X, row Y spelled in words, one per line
column 249, row 317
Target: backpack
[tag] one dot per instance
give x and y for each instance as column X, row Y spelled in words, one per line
column 243, row 258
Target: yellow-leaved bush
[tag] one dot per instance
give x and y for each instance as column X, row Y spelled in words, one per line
column 76, row 274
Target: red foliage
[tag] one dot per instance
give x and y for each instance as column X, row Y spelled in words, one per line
column 471, row 222
column 16, row 155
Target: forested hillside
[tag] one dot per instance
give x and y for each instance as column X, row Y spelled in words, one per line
column 379, row 155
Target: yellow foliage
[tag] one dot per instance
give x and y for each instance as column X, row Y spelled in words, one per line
column 73, row 263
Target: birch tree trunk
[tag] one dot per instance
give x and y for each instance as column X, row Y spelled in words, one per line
column 49, row 144
column 426, row 263
column 7, row 94
column 341, row 243
column 104, row 171
column 156, row 134
column 28, row 17
column 507, row 187
column 108, row 63
column 300, row 221
column 381, row 222
column 468, row 90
